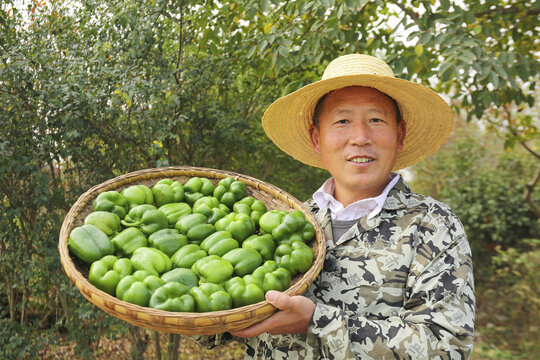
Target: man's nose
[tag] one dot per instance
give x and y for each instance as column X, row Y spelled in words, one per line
column 359, row 134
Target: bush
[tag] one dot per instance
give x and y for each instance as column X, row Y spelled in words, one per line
column 509, row 301
column 484, row 185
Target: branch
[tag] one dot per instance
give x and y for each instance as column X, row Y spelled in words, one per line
column 529, row 187
column 407, row 11
column 504, row 10
column 180, row 47
column 515, row 134
column 533, row 153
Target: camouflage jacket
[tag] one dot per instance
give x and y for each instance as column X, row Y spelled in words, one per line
column 397, row 286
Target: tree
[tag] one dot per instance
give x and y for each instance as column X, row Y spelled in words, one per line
column 94, row 89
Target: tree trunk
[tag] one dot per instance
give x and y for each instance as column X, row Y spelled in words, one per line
column 11, row 301
column 174, row 345
column 139, row 342
column 157, row 346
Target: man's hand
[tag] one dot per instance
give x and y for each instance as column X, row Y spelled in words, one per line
column 293, row 316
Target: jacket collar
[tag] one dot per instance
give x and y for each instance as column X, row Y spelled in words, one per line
column 398, row 198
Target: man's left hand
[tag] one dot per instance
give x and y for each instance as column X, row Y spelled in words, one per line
column 293, row 316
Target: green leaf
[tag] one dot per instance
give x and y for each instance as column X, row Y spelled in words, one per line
column 339, row 13
column 445, row 4
column 522, row 72
column 439, row 38
column 413, row 35
column 445, row 66
column 467, row 56
column 494, row 78
column 447, row 75
column 424, row 39
column 251, row 51
column 509, row 144
column 500, row 70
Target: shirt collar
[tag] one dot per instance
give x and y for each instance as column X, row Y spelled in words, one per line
column 324, row 198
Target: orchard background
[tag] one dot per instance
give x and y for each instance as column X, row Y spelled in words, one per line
column 90, row 90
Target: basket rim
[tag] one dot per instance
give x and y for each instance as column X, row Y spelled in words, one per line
column 111, row 304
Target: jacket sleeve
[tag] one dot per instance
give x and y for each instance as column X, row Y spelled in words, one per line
column 436, row 319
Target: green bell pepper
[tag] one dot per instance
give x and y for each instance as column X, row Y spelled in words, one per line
column 175, row 211
column 196, row 188
column 230, row 191
column 89, row 243
column 183, row 276
column 172, row 296
column 219, row 243
column 138, row 195
column 152, row 221
column 151, row 260
column 270, row 220
column 273, row 277
column 167, row 240
column 107, row 272
column 129, row 240
column 147, row 218
column 188, row 255
column 210, row 297
column 189, row 221
column 195, row 227
column 239, row 225
column 210, row 207
column 107, row 222
column 133, row 218
column 244, row 260
column 213, row 269
column 166, row 191
column 292, row 226
column 264, row 244
column 138, row 287
column 244, row 292
column 252, row 207
column 297, row 257
column 113, row 202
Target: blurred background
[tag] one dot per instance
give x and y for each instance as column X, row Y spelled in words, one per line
column 90, row 90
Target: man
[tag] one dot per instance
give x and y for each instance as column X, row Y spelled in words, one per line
column 397, row 279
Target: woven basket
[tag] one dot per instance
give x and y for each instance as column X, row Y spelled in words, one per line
column 176, row 322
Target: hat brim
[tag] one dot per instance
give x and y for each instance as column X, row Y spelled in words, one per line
column 428, row 119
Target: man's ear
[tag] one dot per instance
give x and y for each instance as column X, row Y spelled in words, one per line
column 402, row 131
column 314, row 136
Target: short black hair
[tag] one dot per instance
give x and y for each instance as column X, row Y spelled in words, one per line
column 318, row 110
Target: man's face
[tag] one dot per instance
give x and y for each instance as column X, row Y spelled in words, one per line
column 358, row 139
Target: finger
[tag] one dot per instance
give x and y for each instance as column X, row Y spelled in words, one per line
column 269, row 325
column 253, row 330
column 280, row 300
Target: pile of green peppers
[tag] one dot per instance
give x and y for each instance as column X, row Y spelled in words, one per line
column 195, row 247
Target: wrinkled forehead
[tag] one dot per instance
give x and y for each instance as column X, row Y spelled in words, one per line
column 337, row 94
column 346, row 90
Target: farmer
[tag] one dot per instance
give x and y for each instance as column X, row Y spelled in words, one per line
column 397, row 280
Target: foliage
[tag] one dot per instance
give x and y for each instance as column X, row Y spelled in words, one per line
column 484, row 185
column 94, row 89
column 510, row 302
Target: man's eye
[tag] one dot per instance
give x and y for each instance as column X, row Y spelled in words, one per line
column 377, row 120
column 342, row 121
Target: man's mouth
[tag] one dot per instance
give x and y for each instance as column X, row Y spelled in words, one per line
column 361, row 160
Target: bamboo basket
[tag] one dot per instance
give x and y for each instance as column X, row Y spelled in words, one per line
column 181, row 322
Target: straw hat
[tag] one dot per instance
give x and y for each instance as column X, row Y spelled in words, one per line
column 427, row 117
